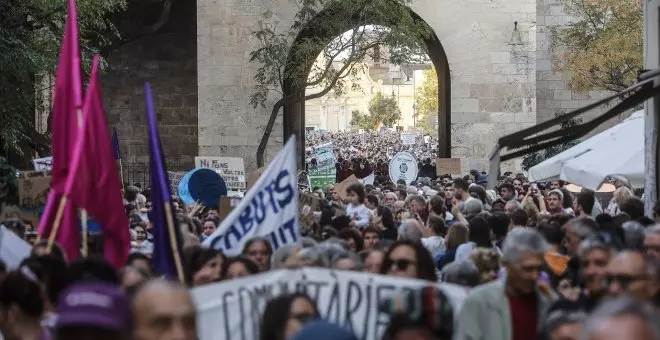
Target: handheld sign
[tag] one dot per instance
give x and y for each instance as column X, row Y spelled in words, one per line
column 269, row 209
column 403, row 166
column 202, row 185
column 232, row 170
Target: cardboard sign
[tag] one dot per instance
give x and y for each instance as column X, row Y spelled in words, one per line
column 231, row 169
column 43, row 164
column 33, row 187
column 175, row 178
column 341, row 187
column 253, row 177
column 448, row 166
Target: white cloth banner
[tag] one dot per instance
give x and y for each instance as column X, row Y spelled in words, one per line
column 269, row 209
column 231, row 169
column 232, row 310
column 13, row 249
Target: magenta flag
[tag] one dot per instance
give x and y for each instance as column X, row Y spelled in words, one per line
column 93, row 183
column 67, row 105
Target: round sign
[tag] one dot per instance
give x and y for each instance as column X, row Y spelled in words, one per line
column 203, row 185
column 403, row 166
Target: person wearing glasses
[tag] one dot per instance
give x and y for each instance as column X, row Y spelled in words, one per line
column 630, row 273
column 409, row 259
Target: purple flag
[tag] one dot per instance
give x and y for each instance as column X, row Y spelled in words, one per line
column 166, row 251
column 115, row 144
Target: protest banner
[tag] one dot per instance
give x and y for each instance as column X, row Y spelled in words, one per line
column 408, row 138
column 13, row 249
column 33, row 188
column 448, row 166
column 43, row 164
column 321, row 178
column 343, row 185
column 403, row 166
column 175, row 178
column 269, row 209
column 325, row 156
column 232, row 310
column 231, row 169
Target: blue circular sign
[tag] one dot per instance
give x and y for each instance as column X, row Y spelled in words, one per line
column 202, row 185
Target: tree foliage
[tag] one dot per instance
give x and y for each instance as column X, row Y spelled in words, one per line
column 8, row 183
column 603, row 48
column 383, row 111
column 426, row 102
column 534, row 158
column 30, row 36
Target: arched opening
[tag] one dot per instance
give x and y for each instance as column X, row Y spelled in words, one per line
column 294, row 113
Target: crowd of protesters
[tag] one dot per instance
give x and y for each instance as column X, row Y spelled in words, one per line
column 540, row 262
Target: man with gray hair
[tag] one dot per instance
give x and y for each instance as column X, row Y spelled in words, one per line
column 464, row 273
column 512, row 307
column 411, row 230
column 623, row 318
column 652, row 242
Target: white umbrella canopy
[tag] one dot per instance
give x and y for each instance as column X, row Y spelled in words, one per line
column 616, row 151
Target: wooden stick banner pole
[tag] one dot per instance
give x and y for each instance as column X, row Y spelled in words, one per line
column 83, row 220
column 174, row 245
column 56, row 223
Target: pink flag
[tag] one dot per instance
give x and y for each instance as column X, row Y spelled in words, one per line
column 67, row 106
column 93, row 183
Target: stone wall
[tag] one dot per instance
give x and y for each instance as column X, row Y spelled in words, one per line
column 168, row 60
column 493, row 83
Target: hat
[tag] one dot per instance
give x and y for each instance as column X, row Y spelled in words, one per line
column 95, row 304
column 482, row 179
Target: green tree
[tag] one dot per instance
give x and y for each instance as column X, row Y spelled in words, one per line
column 8, row 183
column 30, row 36
column 426, row 102
column 362, row 121
column 603, row 48
column 336, row 63
column 537, row 157
column 384, row 110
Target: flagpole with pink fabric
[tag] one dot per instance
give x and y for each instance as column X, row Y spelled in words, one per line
column 60, row 221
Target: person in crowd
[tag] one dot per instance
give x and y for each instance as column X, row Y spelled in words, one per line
column 370, row 237
column 594, row 256
column 487, row 261
column 564, row 325
column 555, row 200
column 94, row 311
column 464, row 273
column 348, row 260
column 259, row 250
column 286, row 315
column 383, row 220
column 284, row 256
column 238, row 267
column 409, row 260
column 460, row 191
column 632, row 206
column 411, row 230
column 519, row 218
column 141, row 244
column 630, row 273
column 130, row 278
column 164, row 310
column 22, row 306
column 434, row 234
column 507, row 192
column 652, row 242
column 584, row 204
column 204, row 265
column 141, row 261
column 372, row 202
column 418, row 208
column 480, row 237
column 622, row 318
column 390, row 198
column 360, row 215
column 633, row 235
column 373, row 260
column 512, row 307
column 209, row 226
column 353, row 239
column 458, row 234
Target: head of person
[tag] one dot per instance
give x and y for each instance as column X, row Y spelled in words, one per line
column 164, row 310
column 209, row 226
column 558, row 184
column 140, row 260
column 41, row 248
column 449, row 191
column 522, row 256
column 347, row 260
column 594, row 256
column 584, row 203
column 437, row 206
column 436, row 226
column 457, row 235
column 577, row 230
column 238, row 267
column 372, row 260
column 564, row 325
column 555, row 200
column 417, row 205
column 634, row 235
column 622, row 318
column 519, row 217
column 21, row 303
column 461, row 187
column 632, row 206
column 411, row 230
column 370, row 237
column 259, row 250
column 94, row 311
column 472, row 206
column 464, row 273
column 630, row 273
column 507, row 191
column 372, row 202
column 130, row 278
column 206, row 262
column 652, row 242
column 352, row 238
column 499, row 224
column 286, row 315
column 487, row 261
column 480, row 232
column 355, row 194
column 390, row 198
column 518, row 185
column 409, row 260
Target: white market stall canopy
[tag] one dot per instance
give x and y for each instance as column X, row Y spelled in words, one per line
column 616, row 151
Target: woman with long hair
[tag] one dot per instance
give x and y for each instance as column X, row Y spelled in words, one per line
column 409, row 260
column 286, row 315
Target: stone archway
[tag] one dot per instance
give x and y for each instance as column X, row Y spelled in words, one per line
column 294, row 114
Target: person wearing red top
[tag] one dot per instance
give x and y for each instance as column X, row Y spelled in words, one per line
column 512, row 307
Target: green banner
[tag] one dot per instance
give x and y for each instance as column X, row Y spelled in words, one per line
column 321, row 178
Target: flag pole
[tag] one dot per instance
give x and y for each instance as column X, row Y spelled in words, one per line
column 173, row 238
column 121, row 174
column 56, row 223
column 83, row 219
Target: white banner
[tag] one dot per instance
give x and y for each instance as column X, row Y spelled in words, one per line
column 231, row 169
column 232, row 310
column 369, row 180
column 42, row 164
column 403, row 166
column 13, row 249
column 408, row 138
column 269, row 209
column 325, row 156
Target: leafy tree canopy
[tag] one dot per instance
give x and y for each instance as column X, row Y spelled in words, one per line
column 603, row 48
column 534, row 158
column 426, row 102
column 383, row 111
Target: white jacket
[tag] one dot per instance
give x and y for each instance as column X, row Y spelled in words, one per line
column 360, row 214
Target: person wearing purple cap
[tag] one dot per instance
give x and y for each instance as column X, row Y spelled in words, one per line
column 94, row 310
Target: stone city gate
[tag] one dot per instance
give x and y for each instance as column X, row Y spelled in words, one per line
column 492, row 82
